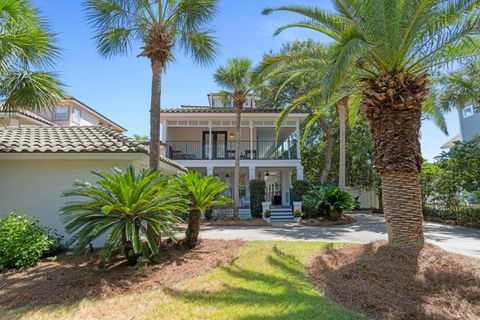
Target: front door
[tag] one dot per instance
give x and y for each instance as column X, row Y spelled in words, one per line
column 219, row 144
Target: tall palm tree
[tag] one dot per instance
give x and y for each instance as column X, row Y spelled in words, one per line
column 461, row 88
column 158, row 27
column 201, row 193
column 394, row 45
column 235, row 79
column 27, row 50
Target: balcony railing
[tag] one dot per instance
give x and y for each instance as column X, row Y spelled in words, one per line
column 220, row 150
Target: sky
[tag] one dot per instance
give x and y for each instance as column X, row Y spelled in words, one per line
column 119, row 88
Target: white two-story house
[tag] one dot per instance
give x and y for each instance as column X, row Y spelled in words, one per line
column 202, row 138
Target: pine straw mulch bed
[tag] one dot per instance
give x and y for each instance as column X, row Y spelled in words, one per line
column 73, row 277
column 322, row 222
column 383, row 283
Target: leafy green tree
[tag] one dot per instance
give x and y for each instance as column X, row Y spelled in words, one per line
column 461, row 88
column 235, row 79
column 391, row 47
column 27, row 50
column 161, row 28
column 201, row 193
column 139, row 137
column 123, row 205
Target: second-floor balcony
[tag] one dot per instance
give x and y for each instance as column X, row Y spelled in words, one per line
column 222, row 150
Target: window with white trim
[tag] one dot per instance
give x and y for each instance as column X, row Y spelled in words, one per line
column 60, row 113
column 76, row 115
column 468, row 111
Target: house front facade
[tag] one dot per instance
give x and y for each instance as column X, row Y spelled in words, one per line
column 202, row 138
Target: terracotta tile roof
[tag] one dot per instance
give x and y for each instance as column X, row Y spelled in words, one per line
column 31, row 115
column 206, row 109
column 58, row 139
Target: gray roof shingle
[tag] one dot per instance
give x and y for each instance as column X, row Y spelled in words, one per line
column 58, row 139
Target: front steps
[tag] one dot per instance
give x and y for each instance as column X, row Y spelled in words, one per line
column 281, row 214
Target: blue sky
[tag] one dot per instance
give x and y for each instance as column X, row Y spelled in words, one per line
column 120, row 87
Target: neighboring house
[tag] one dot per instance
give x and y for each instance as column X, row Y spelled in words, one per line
column 69, row 112
column 469, row 126
column 38, row 163
column 202, row 138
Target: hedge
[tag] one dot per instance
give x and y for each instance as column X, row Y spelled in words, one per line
column 257, row 196
column 461, row 215
column 300, row 188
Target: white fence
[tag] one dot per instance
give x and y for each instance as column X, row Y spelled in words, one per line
column 368, row 198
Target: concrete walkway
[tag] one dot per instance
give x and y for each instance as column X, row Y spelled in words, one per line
column 367, row 228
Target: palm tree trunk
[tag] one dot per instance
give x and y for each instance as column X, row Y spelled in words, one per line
column 155, row 115
column 329, row 152
column 393, row 107
column 341, row 126
column 236, row 175
column 193, row 228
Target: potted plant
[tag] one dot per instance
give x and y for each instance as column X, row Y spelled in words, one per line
column 266, row 215
column 298, row 214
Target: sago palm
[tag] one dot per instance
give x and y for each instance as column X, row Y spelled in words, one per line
column 159, row 28
column 394, row 45
column 201, row 193
column 123, row 205
column 235, row 79
column 27, row 51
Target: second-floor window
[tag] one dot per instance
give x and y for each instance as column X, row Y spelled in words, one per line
column 76, row 115
column 61, row 113
column 468, row 111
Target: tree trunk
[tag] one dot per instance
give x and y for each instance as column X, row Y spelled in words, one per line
column 193, row 229
column 329, row 153
column 155, row 115
column 392, row 105
column 341, row 126
column 131, row 257
column 236, row 175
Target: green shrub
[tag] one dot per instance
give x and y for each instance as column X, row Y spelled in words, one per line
column 328, row 201
column 268, row 213
column 300, row 188
column 298, row 213
column 257, row 196
column 23, row 242
column 462, row 214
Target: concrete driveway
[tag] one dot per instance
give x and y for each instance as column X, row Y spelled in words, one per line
column 367, row 228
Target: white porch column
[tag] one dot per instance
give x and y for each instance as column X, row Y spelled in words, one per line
column 300, row 172
column 251, row 141
column 209, row 170
column 297, row 130
column 251, row 176
column 210, row 147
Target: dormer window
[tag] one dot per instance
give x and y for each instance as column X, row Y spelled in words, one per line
column 60, row 113
column 76, row 115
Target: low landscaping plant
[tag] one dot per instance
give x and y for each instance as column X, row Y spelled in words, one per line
column 463, row 215
column 23, row 242
column 298, row 213
column 329, row 201
column 267, row 213
column 125, row 206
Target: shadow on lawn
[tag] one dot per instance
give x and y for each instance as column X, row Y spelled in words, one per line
column 385, row 283
column 279, row 293
column 75, row 277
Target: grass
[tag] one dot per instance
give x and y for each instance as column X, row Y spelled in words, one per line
column 265, row 281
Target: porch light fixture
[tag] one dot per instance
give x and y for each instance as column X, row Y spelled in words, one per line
column 267, row 174
column 231, row 136
column 227, row 175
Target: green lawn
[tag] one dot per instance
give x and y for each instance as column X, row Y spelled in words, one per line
column 266, row 281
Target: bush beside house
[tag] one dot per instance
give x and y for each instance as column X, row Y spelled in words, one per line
column 257, row 196
column 300, row 188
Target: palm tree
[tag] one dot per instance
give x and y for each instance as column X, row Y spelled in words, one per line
column 394, row 45
column 123, row 205
column 461, row 88
column 236, row 79
column 159, row 27
column 26, row 50
column 202, row 193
